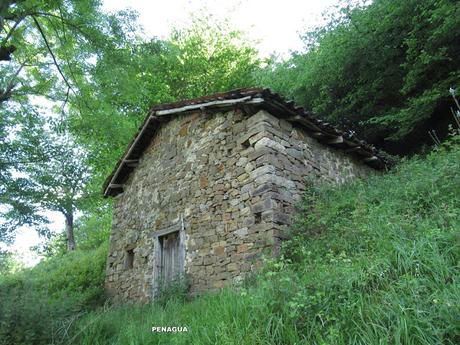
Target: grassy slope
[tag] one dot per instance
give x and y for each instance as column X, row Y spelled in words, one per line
column 374, row 262
column 37, row 305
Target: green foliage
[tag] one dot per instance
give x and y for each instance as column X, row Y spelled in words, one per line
column 372, row 262
column 379, row 259
column 228, row 317
column 92, row 230
column 382, row 70
column 53, row 41
column 207, row 57
column 9, row 262
column 51, row 176
column 51, row 45
column 177, row 290
column 38, row 305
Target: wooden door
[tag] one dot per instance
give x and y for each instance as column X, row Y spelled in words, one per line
column 170, row 265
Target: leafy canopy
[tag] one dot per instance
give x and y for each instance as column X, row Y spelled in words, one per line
column 382, row 69
column 204, row 58
column 47, row 49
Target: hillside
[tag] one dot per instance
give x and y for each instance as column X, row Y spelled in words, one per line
column 373, row 262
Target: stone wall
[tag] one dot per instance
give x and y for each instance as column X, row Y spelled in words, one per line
column 233, row 179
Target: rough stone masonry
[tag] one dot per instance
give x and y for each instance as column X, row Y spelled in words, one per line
column 207, row 185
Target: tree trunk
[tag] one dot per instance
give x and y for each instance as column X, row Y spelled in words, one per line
column 69, row 231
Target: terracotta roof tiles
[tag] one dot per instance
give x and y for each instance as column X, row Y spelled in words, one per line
column 256, row 97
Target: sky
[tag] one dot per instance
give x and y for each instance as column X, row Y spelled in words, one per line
column 274, row 24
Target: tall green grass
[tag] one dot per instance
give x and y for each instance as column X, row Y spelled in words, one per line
column 224, row 318
column 382, row 256
column 40, row 304
column 372, row 262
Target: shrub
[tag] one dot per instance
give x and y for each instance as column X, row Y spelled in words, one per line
column 178, row 290
column 39, row 304
column 378, row 260
column 372, row 262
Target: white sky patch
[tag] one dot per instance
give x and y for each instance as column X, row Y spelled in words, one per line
column 27, row 237
column 275, row 24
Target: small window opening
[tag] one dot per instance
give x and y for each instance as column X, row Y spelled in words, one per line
column 258, row 217
column 129, row 263
column 245, row 144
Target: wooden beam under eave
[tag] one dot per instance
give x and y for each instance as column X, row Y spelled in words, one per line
column 317, row 134
column 371, row 159
column 215, row 103
column 352, row 149
column 304, row 121
column 295, row 118
column 115, row 185
column 336, row 140
column 132, row 163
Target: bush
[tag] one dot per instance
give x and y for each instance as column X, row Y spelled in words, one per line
column 178, row 290
column 378, row 260
column 372, row 262
column 39, row 304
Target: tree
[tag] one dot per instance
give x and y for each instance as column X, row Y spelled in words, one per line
column 209, row 57
column 47, row 52
column 382, row 69
column 204, row 58
column 51, row 178
column 53, row 46
column 54, row 39
column 101, row 79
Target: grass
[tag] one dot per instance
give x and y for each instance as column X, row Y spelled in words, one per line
column 372, row 262
column 38, row 305
column 224, row 318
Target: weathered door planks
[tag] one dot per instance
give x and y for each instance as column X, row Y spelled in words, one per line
column 170, row 261
column 169, row 254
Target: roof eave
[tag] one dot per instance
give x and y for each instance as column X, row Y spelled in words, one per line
column 163, row 115
column 323, row 132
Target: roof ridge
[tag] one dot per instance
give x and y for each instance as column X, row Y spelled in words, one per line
column 322, row 131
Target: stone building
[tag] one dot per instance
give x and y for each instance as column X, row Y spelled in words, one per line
column 209, row 184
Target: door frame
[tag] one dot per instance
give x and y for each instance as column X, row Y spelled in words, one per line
column 177, row 227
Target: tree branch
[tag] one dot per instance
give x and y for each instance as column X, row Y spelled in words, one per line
column 6, row 94
column 55, row 61
column 65, row 57
column 63, row 21
column 65, row 101
column 52, row 54
column 10, row 32
column 23, row 162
